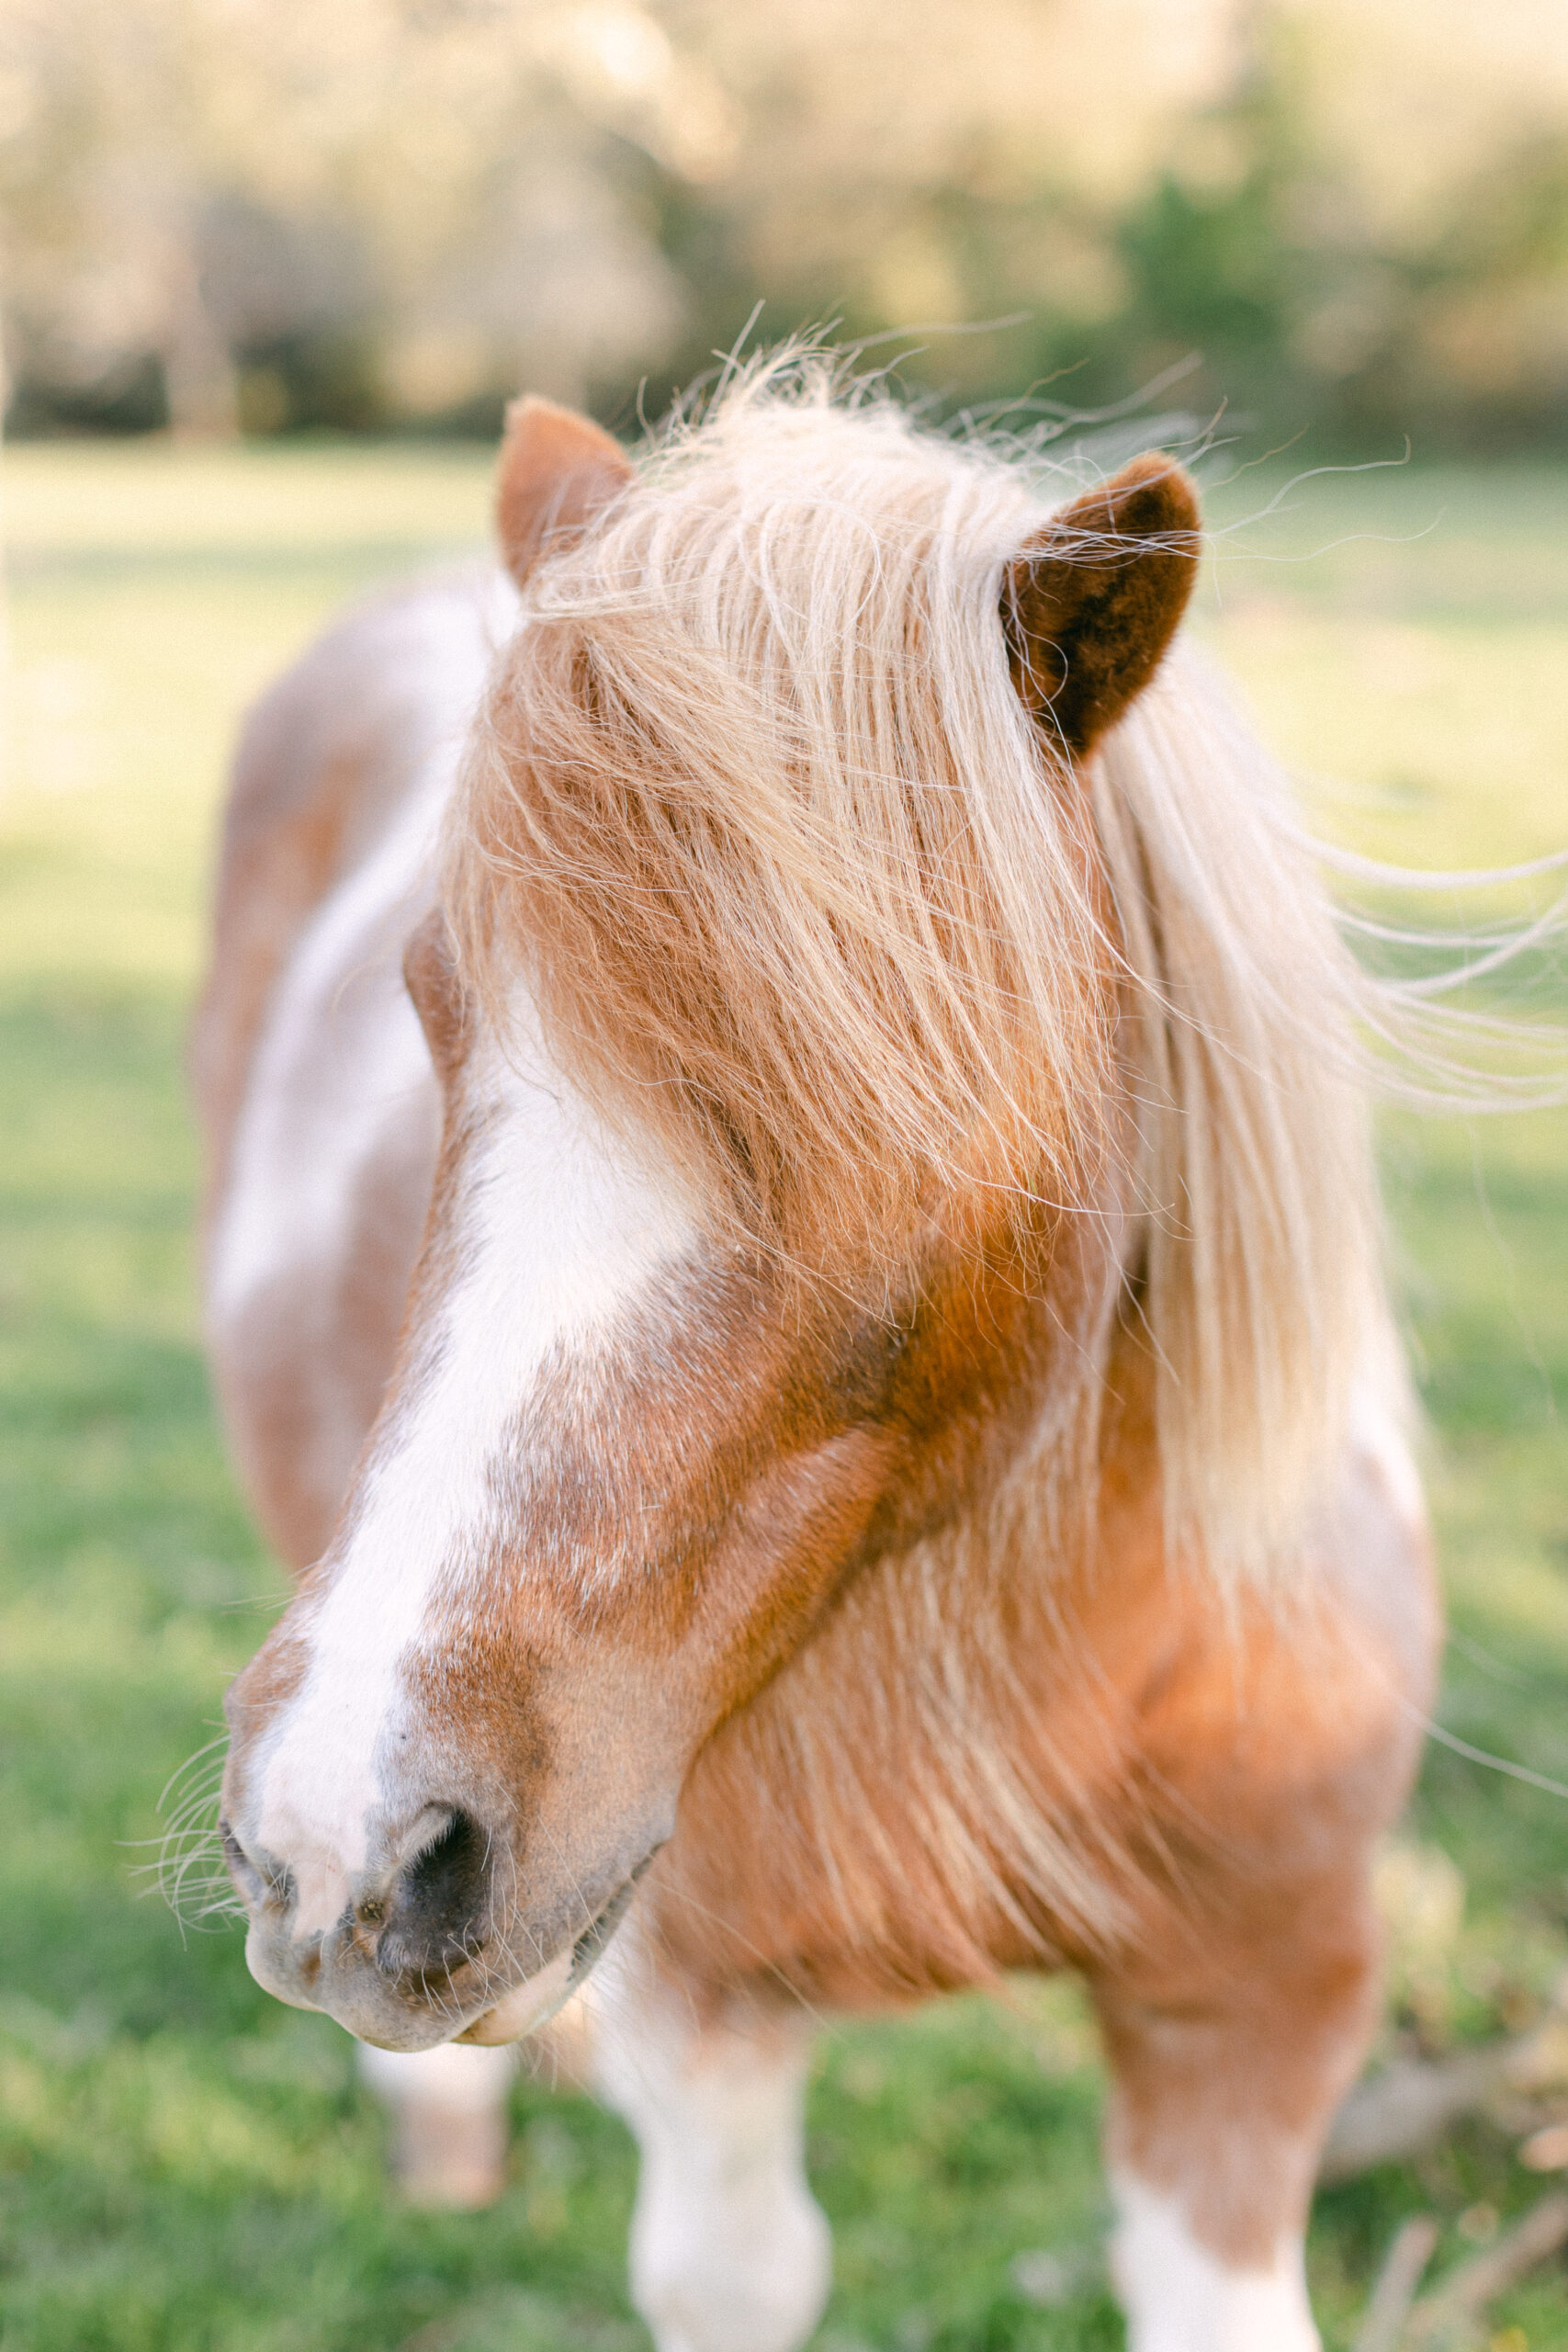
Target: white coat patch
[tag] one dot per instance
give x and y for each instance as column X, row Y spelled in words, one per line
column 729, row 2251
column 1180, row 2298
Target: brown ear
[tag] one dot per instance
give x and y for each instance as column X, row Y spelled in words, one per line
column 1090, row 609
column 558, row 471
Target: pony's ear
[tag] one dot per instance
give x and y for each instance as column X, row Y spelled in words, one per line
column 1089, row 607
column 558, row 471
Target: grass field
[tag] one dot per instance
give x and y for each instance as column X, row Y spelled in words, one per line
column 184, row 2166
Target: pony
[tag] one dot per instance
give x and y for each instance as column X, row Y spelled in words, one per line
column 793, row 1257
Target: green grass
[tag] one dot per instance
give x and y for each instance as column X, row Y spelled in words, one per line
column 189, row 2167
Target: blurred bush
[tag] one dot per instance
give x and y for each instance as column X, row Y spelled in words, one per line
column 235, row 215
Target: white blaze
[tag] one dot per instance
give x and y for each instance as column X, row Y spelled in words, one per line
column 558, row 1233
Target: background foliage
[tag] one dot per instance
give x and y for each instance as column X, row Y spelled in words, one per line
column 392, row 213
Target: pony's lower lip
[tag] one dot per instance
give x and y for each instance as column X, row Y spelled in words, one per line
column 536, row 2001
column 526, row 2007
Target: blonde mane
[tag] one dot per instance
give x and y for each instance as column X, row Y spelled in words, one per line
column 802, row 890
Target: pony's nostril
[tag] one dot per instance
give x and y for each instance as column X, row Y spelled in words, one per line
column 436, row 1914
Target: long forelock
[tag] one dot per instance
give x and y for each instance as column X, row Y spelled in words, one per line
column 804, row 895
column 758, row 809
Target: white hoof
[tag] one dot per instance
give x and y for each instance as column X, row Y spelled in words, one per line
column 749, row 2273
column 729, row 2251
column 1180, row 2298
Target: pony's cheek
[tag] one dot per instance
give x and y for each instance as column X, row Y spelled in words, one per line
column 799, row 1534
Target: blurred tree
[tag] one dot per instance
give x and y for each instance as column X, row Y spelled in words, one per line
column 226, row 213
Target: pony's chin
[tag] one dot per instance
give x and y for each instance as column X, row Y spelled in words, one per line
column 534, row 2002
column 527, row 2006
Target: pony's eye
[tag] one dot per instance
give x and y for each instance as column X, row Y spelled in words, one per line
column 867, row 1365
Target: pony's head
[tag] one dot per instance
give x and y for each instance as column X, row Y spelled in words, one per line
column 790, row 1169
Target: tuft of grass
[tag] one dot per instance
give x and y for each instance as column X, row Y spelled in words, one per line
column 189, row 2167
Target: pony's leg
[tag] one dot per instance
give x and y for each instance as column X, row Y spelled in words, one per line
column 1228, row 2066
column 449, row 2119
column 729, row 2251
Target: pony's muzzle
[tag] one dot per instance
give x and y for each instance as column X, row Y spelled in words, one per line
column 415, row 1954
column 408, row 1952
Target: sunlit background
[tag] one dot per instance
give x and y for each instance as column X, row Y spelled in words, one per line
column 260, row 215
